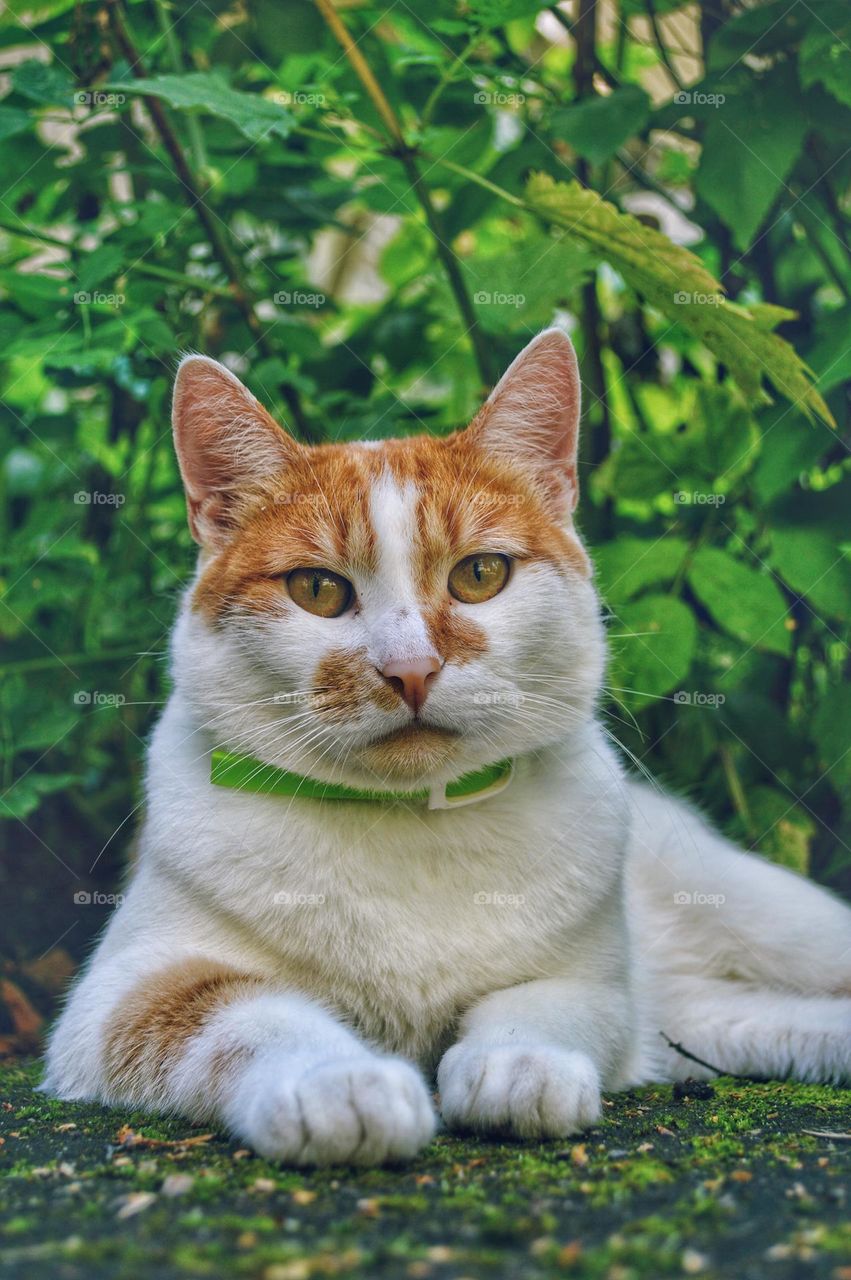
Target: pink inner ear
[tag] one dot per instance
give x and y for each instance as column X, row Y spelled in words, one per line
column 532, row 417
column 225, row 442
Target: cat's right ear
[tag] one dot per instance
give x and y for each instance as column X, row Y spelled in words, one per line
column 226, row 443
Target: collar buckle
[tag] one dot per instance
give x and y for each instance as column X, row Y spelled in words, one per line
column 438, row 799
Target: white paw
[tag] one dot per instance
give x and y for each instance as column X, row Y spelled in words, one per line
column 360, row 1110
column 533, row 1092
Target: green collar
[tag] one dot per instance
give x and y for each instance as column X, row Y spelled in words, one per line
column 245, row 773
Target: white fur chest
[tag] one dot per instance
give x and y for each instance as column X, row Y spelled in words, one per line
column 396, row 916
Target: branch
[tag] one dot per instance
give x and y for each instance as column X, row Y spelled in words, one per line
column 662, row 48
column 406, row 156
column 701, row 1062
column 212, row 224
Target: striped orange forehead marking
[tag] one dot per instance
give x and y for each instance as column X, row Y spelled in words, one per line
column 317, row 512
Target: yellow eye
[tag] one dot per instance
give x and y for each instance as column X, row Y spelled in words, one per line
column 478, row 578
column 320, row 591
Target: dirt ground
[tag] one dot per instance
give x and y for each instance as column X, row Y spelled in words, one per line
column 735, row 1180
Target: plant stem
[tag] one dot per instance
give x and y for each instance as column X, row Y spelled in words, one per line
column 212, row 224
column 662, row 48
column 71, row 660
column 406, row 156
column 193, row 125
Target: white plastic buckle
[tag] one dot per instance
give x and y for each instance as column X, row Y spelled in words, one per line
column 438, row 799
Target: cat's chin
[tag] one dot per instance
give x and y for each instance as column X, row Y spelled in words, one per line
column 411, row 752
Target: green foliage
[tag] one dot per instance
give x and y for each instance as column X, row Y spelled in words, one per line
column 365, row 289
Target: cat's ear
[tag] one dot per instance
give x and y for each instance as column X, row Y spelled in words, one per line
column 532, row 418
column 226, row 443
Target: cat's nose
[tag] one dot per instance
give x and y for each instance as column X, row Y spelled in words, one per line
column 410, row 679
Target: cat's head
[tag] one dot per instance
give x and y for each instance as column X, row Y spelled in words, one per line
column 391, row 612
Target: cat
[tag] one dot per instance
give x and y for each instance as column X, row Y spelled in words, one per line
column 499, row 903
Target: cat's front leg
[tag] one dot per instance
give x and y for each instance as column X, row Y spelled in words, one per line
column 283, row 1075
column 532, row 1060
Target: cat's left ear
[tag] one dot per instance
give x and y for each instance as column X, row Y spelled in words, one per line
column 226, row 444
column 532, row 418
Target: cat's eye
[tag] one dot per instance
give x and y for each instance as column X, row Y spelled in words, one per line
column 320, row 591
column 478, row 578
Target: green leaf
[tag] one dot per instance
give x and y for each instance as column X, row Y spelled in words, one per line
column 677, row 283
column 784, row 830
column 746, row 602
column 825, row 54
column 831, row 734
column 47, row 84
column 653, row 643
column 25, row 795
column 749, row 147
column 597, row 126
column 13, row 120
column 628, row 565
column 808, row 533
column 496, row 13
column 207, row 91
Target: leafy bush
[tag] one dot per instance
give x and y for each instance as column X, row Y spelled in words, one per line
column 366, row 213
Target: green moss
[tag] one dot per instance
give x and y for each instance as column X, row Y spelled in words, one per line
column 662, row 1186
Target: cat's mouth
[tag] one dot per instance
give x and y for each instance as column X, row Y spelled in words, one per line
column 410, row 752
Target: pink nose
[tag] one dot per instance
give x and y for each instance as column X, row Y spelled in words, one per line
column 410, row 679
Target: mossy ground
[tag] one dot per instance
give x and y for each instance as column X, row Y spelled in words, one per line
column 727, row 1185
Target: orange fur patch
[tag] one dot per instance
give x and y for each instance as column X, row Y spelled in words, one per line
column 345, row 679
column 149, row 1030
column 410, row 752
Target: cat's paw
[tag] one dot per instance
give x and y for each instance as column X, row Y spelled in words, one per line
column 529, row 1091
column 360, row 1110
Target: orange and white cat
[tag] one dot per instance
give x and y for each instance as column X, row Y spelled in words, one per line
column 394, row 617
